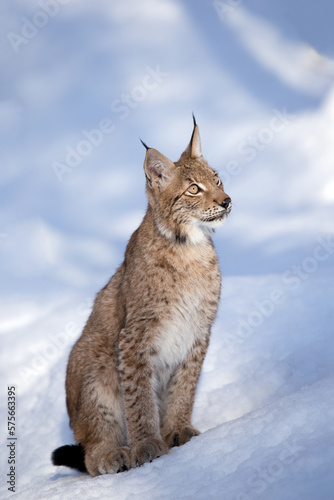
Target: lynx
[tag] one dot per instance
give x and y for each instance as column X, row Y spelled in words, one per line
column 132, row 376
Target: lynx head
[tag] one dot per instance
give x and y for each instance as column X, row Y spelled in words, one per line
column 187, row 197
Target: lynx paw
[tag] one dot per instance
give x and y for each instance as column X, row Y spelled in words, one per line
column 116, row 460
column 146, row 451
column 180, row 435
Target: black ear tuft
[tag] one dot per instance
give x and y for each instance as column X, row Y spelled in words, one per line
column 193, row 150
column 145, row 146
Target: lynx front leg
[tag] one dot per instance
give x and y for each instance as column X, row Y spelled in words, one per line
column 141, row 409
column 176, row 422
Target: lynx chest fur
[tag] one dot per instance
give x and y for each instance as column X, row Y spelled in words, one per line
column 132, row 375
column 179, row 290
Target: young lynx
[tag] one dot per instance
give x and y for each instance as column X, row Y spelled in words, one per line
column 132, row 376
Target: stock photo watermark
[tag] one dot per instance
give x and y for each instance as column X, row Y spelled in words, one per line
column 225, row 8
column 30, row 27
column 292, row 279
column 248, row 149
column 11, row 442
column 271, row 470
column 298, row 273
column 55, row 346
column 122, row 106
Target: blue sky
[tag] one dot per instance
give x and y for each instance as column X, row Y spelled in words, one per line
column 139, row 69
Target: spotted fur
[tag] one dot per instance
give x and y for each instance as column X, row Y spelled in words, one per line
column 132, row 375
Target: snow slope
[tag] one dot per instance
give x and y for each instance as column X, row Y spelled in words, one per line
column 259, row 77
column 280, row 451
column 265, row 404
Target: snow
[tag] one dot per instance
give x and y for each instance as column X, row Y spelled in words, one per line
column 259, row 77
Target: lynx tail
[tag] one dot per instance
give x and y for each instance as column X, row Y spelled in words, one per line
column 71, row 455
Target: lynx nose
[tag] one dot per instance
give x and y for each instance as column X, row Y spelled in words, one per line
column 226, row 202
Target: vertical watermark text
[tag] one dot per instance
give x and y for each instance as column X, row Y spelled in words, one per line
column 11, row 443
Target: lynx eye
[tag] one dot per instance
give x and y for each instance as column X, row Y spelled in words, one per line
column 217, row 180
column 194, row 189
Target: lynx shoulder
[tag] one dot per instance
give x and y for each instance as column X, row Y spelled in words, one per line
column 132, row 375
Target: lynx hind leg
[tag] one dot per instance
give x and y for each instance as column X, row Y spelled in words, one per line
column 106, row 450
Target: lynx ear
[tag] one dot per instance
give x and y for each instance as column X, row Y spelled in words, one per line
column 157, row 167
column 194, row 149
